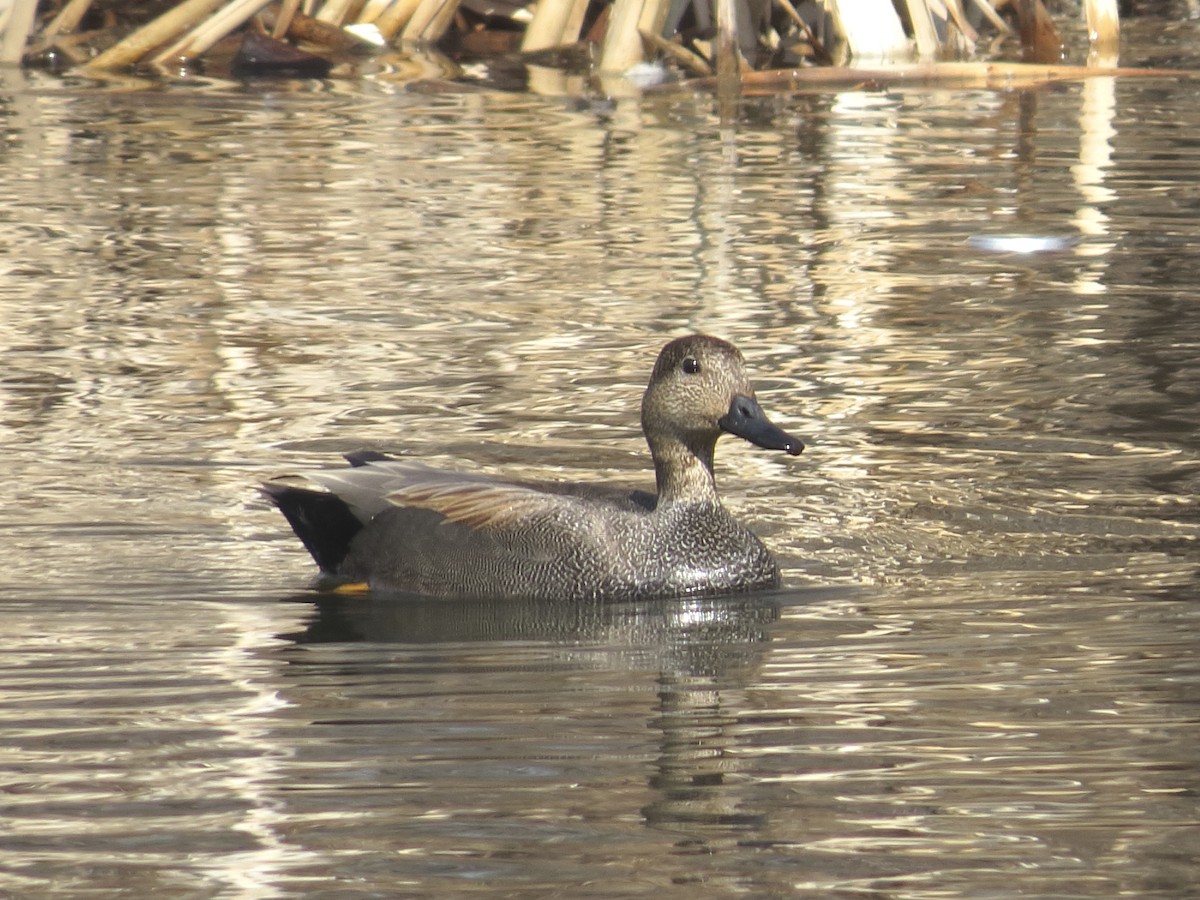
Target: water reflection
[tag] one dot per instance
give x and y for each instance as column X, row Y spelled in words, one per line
column 697, row 770
column 721, row 625
column 206, row 288
column 697, row 649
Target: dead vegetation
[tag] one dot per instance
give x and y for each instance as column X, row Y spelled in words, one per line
column 732, row 45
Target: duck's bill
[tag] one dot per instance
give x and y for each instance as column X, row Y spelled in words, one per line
column 747, row 420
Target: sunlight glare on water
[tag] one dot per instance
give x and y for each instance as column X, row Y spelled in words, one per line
column 980, row 678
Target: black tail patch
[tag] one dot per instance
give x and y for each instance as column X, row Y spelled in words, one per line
column 322, row 521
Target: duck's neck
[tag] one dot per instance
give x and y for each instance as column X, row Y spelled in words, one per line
column 684, row 474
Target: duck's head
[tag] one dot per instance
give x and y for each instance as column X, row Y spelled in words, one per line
column 698, row 390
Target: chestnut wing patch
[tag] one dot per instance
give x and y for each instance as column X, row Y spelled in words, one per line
column 479, row 504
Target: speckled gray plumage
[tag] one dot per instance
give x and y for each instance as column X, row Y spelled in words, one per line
column 400, row 524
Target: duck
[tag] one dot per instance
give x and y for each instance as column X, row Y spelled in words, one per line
column 395, row 524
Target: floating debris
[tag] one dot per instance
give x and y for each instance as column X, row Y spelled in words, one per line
column 646, row 74
column 1022, row 243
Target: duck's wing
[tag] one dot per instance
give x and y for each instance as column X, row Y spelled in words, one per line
column 363, row 491
column 449, row 534
column 328, row 508
column 480, row 501
column 475, row 503
column 375, row 483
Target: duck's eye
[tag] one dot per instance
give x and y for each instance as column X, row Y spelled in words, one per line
column 691, row 365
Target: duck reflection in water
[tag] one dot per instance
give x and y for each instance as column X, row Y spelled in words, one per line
column 397, row 524
column 684, row 665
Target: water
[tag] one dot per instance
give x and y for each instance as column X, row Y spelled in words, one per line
column 980, row 679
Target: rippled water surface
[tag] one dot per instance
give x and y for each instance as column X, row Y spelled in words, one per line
column 980, row 679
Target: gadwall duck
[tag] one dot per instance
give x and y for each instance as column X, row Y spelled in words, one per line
column 395, row 524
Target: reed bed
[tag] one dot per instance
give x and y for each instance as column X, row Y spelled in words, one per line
column 722, row 40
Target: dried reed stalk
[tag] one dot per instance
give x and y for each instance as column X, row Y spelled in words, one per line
column 307, row 30
column 554, row 23
column 153, row 34
column 66, row 21
column 990, row 75
column 395, row 17
column 653, row 18
column 728, row 55
column 208, row 32
column 728, row 60
column 924, row 31
column 373, row 9
column 622, row 44
column 686, row 58
column 430, row 20
column 334, row 12
column 283, row 21
column 1104, row 31
column 16, row 30
column 959, row 17
column 819, row 51
column 989, row 13
column 440, row 25
column 871, row 28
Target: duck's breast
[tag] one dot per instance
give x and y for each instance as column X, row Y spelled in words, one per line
column 700, row 549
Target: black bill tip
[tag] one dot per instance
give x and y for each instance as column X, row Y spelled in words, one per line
column 747, row 420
